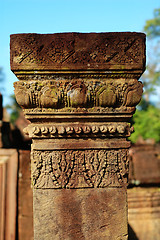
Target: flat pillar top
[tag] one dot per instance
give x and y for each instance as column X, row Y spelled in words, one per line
column 121, row 51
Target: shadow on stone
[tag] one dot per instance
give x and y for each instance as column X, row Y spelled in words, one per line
column 131, row 234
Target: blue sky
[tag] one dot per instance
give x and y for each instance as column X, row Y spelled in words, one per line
column 52, row 16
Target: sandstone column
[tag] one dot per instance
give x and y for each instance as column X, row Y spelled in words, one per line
column 79, row 92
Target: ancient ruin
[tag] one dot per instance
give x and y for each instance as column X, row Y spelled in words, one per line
column 79, row 91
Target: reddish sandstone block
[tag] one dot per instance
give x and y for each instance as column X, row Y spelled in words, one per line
column 78, row 51
column 144, row 213
column 80, row 94
column 8, row 191
column 25, row 197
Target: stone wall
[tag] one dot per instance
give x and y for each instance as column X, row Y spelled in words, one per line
column 25, row 195
column 8, row 193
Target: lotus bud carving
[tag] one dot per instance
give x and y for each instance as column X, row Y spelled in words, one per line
column 106, row 96
column 77, row 95
column 24, row 100
column 134, row 94
column 49, row 97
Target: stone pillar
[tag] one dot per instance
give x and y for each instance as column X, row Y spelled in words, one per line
column 79, row 92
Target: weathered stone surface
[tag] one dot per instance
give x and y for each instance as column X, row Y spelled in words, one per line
column 80, row 214
column 144, row 164
column 78, row 51
column 25, row 196
column 143, row 207
column 81, row 91
column 3, row 180
column 79, row 168
column 8, row 191
column 144, row 213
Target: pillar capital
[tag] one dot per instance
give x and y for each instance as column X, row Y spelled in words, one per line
column 71, row 73
column 79, row 91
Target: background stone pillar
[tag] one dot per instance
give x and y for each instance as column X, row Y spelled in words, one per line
column 79, row 92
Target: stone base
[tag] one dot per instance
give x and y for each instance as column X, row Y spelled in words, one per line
column 72, row 214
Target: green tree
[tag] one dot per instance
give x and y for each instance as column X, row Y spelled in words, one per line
column 151, row 78
column 2, row 77
column 152, row 26
column 147, row 117
column 14, row 108
column 147, row 124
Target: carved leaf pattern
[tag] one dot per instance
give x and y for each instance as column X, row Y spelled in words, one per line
column 78, row 93
column 79, row 168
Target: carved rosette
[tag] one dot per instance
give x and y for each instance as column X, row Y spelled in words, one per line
column 79, row 91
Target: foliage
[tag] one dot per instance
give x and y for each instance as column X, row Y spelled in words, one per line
column 147, row 118
column 151, row 78
column 14, row 108
column 2, row 77
column 152, row 26
column 147, row 124
column 1, row 74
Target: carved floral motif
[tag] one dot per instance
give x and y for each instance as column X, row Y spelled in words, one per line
column 78, row 94
column 79, row 168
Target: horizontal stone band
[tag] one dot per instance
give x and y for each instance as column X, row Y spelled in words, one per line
column 78, row 51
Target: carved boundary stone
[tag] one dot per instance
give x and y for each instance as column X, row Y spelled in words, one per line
column 79, row 91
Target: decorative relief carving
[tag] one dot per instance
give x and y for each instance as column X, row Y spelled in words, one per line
column 73, row 73
column 79, row 168
column 98, row 130
column 79, row 91
column 69, row 95
column 38, row 76
column 55, row 131
column 76, row 94
column 77, row 50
